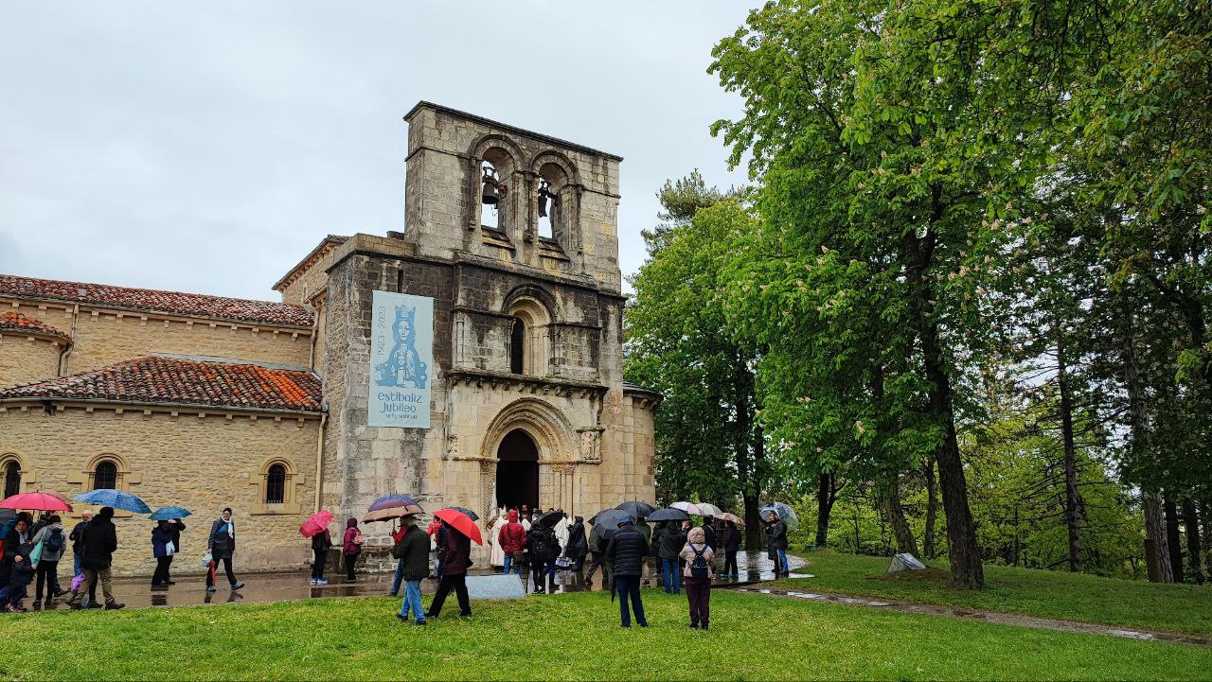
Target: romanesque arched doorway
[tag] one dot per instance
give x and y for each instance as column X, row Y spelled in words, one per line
column 517, row 471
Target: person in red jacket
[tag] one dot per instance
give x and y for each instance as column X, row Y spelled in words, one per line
column 513, row 540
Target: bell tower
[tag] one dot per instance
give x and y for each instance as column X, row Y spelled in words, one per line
column 475, row 186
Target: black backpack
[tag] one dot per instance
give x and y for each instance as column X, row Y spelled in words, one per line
column 54, row 542
column 698, row 565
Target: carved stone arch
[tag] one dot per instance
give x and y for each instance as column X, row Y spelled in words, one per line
column 533, row 291
column 25, row 475
column 495, row 140
column 550, row 430
column 558, row 159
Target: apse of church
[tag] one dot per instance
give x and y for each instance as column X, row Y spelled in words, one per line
column 473, row 359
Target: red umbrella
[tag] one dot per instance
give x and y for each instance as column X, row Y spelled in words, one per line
column 36, row 502
column 316, row 523
column 462, row 523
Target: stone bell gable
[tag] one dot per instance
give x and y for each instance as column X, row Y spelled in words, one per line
column 528, row 403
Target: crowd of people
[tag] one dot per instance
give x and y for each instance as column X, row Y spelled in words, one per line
column 683, row 555
column 30, row 552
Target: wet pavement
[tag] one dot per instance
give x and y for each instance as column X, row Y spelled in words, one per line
column 986, row 616
column 275, row 587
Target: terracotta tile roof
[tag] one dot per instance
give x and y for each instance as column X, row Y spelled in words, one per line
column 185, row 381
column 152, row 300
column 13, row 321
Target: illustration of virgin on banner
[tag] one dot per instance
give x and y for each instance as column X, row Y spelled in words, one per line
column 403, row 367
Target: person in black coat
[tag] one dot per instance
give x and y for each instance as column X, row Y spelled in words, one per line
column 222, row 546
column 18, row 535
column 672, row 540
column 626, row 551
column 732, row 545
column 456, row 559
column 577, row 546
column 77, row 538
column 174, row 528
column 544, row 547
column 709, row 531
column 161, row 539
column 100, row 541
column 413, row 553
column 776, row 543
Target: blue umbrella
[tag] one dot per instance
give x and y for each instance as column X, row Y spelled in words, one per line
column 107, row 497
column 169, row 513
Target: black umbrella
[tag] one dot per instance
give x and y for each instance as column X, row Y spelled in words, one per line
column 611, row 518
column 474, row 516
column 668, row 514
column 550, row 519
column 636, row 508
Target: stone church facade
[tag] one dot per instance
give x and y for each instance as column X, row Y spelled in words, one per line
column 206, row 401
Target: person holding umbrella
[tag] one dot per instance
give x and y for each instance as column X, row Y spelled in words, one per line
column 543, row 546
column 577, row 546
column 732, row 545
column 776, row 542
column 221, row 544
column 412, row 551
column 54, row 543
column 456, row 558
column 626, row 551
column 672, row 541
column 100, row 540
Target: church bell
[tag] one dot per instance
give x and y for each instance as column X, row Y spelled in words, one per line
column 544, row 195
column 489, row 195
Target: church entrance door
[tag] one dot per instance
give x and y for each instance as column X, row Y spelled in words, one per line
column 518, row 471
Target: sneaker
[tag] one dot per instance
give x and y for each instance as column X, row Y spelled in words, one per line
column 237, row 586
column 114, row 606
column 210, row 588
column 313, row 582
column 323, row 581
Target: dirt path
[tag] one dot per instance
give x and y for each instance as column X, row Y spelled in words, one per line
column 986, row 616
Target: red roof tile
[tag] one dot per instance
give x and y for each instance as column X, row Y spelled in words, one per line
column 13, row 321
column 152, row 300
column 184, row 381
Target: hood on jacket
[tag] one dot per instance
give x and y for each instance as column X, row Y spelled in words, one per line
column 513, row 515
column 697, row 536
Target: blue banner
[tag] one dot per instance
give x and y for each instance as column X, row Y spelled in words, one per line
column 401, row 360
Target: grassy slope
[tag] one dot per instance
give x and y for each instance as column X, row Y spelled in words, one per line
column 1049, row 594
column 573, row 636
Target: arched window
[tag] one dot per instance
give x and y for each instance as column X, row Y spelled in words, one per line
column 105, row 475
column 12, row 477
column 517, row 347
column 490, row 197
column 275, row 484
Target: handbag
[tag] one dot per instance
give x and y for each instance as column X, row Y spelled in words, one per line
column 169, row 548
column 36, row 555
column 207, row 559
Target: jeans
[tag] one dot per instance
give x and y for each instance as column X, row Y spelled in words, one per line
column 459, row 584
column 397, row 578
column 46, row 574
column 76, row 568
column 412, row 600
column 508, row 563
column 698, row 593
column 671, row 576
column 783, row 561
column 629, row 586
column 214, row 565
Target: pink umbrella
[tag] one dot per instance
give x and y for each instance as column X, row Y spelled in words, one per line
column 36, row 502
column 316, row 523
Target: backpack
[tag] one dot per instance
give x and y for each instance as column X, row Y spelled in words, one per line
column 54, row 542
column 698, row 565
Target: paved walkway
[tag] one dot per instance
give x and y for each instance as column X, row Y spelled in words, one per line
column 190, row 590
column 986, row 616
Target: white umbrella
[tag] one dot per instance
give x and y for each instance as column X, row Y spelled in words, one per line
column 688, row 507
column 708, row 509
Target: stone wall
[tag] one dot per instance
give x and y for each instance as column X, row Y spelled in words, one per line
column 26, row 359
column 102, row 337
column 201, row 463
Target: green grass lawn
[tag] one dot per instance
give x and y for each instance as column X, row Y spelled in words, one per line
column 573, row 636
column 1048, row 594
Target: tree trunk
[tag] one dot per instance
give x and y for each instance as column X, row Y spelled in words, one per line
column 1157, row 553
column 895, row 513
column 1205, row 513
column 966, row 567
column 826, row 495
column 1191, row 524
column 1072, row 512
column 931, row 509
column 1172, row 538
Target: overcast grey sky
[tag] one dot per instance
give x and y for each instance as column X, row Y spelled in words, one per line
column 208, row 146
